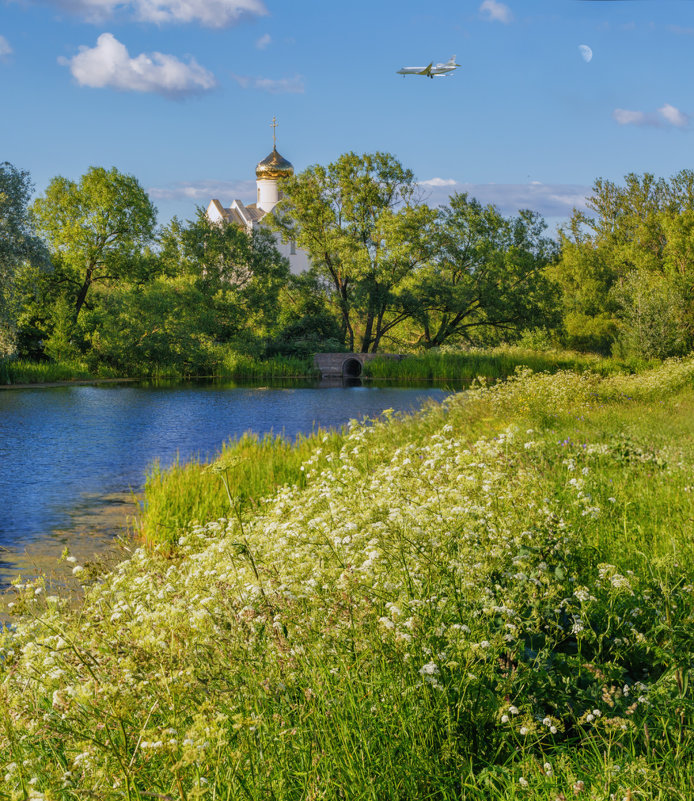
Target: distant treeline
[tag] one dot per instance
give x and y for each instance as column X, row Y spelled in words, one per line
column 88, row 279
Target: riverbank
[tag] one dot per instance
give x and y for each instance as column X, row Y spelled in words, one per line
column 235, row 366
column 489, row 600
column 496, row 363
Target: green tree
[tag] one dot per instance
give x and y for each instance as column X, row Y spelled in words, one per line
column 240, row 275
column 652, row 317
column 488, row 274
column 364, row 234
column 642, row 231
column 162, row 326
column 306, row 325
column 18, row 246
column 96, row 230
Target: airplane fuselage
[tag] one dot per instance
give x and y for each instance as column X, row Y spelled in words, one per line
column 431, row 70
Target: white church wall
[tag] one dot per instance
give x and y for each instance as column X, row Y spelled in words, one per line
column 298, row 260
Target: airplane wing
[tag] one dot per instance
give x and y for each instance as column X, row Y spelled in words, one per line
column 427, row 69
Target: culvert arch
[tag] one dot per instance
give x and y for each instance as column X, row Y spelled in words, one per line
column 352, row 367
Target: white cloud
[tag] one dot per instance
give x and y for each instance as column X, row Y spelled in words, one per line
column 494, row 11
column 203, row 191
column 110, row 65
column 280, row 86
column 211, row 13
column 5, row 47
column 550, row 200
column 438, row 182
column 674, row 116
column 625, row 117
column 264, row 41
column 678, row 29
column 669, row 115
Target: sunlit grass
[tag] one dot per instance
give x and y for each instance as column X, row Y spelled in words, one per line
column 493, row 599
column 190, row 492
column 493, row 364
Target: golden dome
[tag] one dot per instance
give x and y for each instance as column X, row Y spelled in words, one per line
column 274, row 166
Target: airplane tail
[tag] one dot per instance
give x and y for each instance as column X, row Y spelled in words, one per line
column 451, row 62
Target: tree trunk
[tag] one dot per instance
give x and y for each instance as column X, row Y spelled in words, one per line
column 83, row 291
column 366, row 339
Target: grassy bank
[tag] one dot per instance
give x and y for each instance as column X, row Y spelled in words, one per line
column 232, row 366
column 495, row 363
column 195, row 492
column 21, row 371
column 491, row 600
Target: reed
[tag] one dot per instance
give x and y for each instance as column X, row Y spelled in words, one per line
column 22, row 371
column 497, row 363
column 235, row 365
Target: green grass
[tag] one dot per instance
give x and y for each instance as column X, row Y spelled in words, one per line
column 236, row 365
column 493, row 364
column 232, row 365
column 192, row 492
column 493, row 599
column 22, row 371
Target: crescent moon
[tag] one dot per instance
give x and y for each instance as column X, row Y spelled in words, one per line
column 586, row 53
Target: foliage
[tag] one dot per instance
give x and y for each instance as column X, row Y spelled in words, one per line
column 18, row 245
column 95, row 229
column 305, row 324
column 18, row 371
column 636, row 235
column 653, row 316
column 446, row 364
column 239, row 275
column 487, row 272
column 490, row 600
column 164, row 324
column 356, row 220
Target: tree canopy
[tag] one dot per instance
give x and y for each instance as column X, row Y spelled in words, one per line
column 486, row 272
column 357, row 220
column 18, row 244
column 95, row 228
column 627, row 265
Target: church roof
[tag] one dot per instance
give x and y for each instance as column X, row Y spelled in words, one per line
column 274, row 166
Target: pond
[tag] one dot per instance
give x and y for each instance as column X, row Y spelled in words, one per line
column 74, row 458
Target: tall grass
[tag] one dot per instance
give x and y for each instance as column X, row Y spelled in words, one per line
column 230, row 365
column 493, row 364
column 236, row 365
column 191, row 493
column 493, row 599
column 22, row 371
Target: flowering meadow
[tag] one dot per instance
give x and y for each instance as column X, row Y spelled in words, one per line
column 492, row 599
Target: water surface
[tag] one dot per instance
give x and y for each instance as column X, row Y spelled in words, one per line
column 73, row 458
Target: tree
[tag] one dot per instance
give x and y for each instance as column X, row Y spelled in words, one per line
column 239, row 274
column 637, row 236
column 487, row 273
column 18, row 244
column 652, row 316
column 357, row 220
column 96, row 230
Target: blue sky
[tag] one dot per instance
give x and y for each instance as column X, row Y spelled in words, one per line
column 181, row 93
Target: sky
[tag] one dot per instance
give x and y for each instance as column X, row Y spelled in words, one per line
column 550, row 95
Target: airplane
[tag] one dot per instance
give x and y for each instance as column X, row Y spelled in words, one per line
column 431, row 70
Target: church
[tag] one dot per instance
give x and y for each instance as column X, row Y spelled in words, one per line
column 267, row 174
